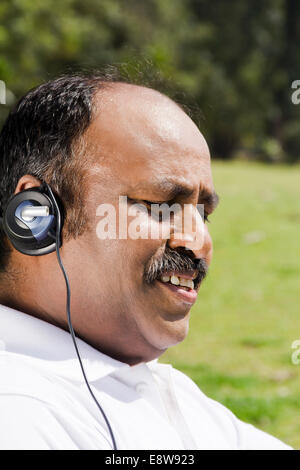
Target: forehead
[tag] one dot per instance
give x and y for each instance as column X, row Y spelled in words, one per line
column 139, row 135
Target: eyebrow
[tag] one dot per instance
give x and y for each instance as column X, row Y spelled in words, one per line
column 211, row 199
column 173, row 190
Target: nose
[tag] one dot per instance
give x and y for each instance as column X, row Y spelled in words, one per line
column 191, row 233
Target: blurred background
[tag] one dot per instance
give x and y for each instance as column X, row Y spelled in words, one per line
column 233, row 65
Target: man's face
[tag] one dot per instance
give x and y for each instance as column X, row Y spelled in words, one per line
column 146, row 148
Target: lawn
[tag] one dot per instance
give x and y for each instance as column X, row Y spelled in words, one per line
column 238, row 349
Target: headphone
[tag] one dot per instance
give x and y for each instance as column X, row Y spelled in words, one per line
column 33, row 221
column 30, row 219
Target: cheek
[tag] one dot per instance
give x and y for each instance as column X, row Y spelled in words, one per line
column 143, row 226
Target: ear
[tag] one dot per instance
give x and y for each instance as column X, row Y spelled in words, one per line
column 27, row 182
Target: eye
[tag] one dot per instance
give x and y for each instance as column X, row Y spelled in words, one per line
column 153, row 209
column 149, row 203
column 156, row 214
column 142, row 202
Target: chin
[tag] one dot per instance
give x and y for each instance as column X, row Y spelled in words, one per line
column 170, row 334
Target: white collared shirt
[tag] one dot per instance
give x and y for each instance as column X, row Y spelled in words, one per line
column 45, row 404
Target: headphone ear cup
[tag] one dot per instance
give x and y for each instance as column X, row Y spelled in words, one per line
column 30, row 236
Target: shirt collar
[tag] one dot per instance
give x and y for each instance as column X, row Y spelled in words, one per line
column 49, row 347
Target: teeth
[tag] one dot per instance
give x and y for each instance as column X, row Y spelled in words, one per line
column 178, row 281
column 175, row 280
column 186, row 283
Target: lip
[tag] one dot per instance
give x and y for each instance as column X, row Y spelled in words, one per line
column 188, row 296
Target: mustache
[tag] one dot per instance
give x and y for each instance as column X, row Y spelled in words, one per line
column 175, row 260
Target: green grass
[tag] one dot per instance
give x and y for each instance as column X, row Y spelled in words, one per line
column 248, row 312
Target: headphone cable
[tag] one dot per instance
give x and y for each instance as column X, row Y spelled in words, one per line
column 68, row 309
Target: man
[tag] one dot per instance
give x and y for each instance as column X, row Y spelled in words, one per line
column 93, row 141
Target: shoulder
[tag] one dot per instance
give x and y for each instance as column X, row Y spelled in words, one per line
column 28, row 423
column 23, row 378
column 40, row 410
column 29, row 415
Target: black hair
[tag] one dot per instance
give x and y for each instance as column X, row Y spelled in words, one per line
column 39, row 138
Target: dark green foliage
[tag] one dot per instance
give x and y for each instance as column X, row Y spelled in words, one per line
column 231, row 62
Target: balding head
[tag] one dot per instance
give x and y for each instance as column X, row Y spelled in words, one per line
column 139, row 144
column 137, row 129
column 129, row 110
